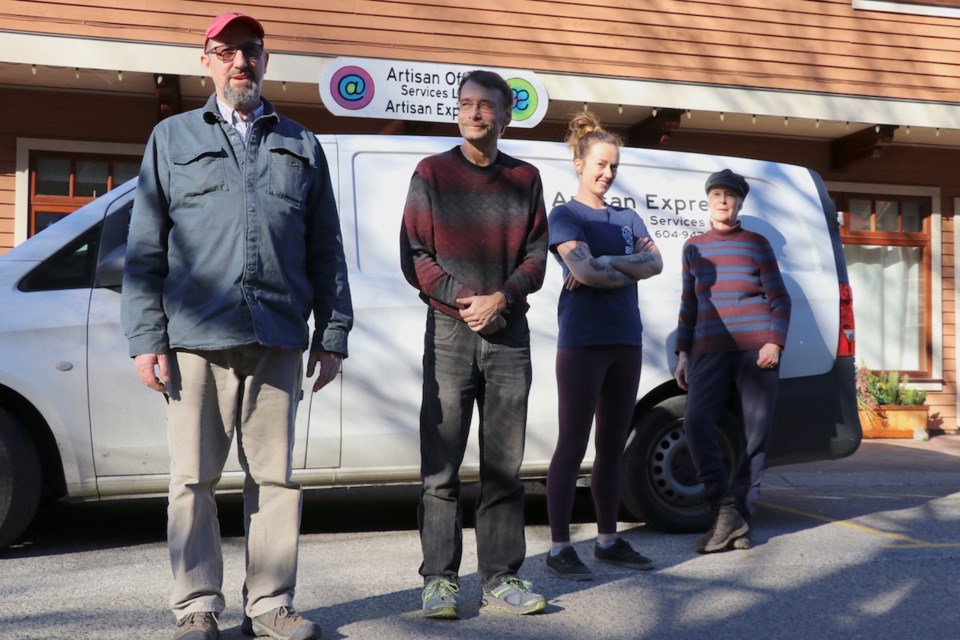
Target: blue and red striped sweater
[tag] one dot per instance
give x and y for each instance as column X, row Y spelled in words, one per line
column 734, row 298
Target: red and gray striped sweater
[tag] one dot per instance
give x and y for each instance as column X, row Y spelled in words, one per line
column 470, row 230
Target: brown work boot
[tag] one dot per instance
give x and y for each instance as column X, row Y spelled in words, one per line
column 283, row 623
column 200, row 625
column 728, row 526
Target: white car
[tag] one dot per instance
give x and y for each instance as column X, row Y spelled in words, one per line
column 75, row 422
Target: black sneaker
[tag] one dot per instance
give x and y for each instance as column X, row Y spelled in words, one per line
column 567, row 565
column 201, row 625
column 622, row 554
column 728, row 527
column 283, row 623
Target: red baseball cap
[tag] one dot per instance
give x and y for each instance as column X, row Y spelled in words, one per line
column 220, row 23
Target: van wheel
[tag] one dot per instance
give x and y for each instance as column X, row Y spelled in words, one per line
column 660, row 485
column 20, row 479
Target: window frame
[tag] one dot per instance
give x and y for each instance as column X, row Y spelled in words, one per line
column 28, row 146
column 939, row 8
column 48, row 203
column 930, row 377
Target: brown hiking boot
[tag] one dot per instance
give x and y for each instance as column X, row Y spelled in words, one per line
column 283, row 623
column 200, row 625
column 728, row 526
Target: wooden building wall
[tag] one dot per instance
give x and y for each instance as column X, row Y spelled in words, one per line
column 804, row 45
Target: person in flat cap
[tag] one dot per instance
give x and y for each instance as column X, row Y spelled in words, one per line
column 734, row 316
column 234, row 241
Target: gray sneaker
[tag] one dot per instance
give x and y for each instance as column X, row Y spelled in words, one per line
column 440, row 599
column 201, row 625
column 283, row 623
column 514, row 595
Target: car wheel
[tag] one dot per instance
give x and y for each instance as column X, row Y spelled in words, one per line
column 20, row 479
column 660, row 485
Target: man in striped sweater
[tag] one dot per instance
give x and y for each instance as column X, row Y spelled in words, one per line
column 474, row 244
column 734, row 315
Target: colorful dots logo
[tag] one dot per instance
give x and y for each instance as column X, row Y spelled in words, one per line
column 352, row 88
column 525, row 98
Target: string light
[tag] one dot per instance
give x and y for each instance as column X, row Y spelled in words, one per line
column 908, row 129
column 753, row 119
column 620, row 109
column 654, row 112
column 203, row 81
column 119, row 76
column 689, row 114
column 284, row 84
column 786, row 121
column 848, row 125
column 76, row 72
column 585, row 106
column 876, row 129
column 938, row 132
column 33, row 69
column 159, row 80
column 721, row 116
column 818, row 123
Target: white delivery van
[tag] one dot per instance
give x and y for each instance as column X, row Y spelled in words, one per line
column 75, row 421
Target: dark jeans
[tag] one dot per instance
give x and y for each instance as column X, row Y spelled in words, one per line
column 462, row 368
column 722, row 381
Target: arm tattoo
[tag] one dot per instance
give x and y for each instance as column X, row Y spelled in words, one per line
column 579, row 253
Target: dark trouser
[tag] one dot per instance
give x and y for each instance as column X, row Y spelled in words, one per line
column 462, row 368
column 601, row 382
column 717, row 382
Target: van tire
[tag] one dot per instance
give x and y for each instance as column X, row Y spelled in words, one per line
column 20, row 479
column 660, row 485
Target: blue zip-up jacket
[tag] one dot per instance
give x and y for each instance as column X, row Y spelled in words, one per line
column 234, row 244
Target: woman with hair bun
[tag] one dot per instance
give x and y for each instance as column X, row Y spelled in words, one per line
column 604, row 251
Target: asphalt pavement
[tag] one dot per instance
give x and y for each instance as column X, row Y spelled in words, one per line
column 883, row 461
column 863, row 547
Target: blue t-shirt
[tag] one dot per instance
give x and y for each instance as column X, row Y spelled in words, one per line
column 591, row 316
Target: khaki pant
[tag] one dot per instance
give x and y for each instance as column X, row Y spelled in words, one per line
column 252, row 390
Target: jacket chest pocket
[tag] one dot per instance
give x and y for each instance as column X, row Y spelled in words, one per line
column 197, row 173
column 290, row 175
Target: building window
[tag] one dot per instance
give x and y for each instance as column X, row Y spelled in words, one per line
column 887, row 246
column 61, row 183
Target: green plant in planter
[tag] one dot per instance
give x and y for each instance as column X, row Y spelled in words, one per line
column 886, row 388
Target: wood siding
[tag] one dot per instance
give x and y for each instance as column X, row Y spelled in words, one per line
column 806, row 45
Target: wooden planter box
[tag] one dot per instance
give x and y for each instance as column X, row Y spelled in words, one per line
column 893, row 421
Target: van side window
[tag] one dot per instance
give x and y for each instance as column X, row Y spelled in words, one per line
column 886, row 240
column 70, row 268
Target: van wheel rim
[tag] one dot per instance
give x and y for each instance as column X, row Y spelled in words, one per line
column 672, row 473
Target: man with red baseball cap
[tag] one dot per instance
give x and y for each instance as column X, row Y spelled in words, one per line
column 234, row 241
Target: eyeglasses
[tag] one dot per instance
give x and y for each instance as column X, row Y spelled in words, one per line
column 486, row 108
column 227, row 52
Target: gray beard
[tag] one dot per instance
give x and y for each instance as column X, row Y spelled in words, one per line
column 244, row 99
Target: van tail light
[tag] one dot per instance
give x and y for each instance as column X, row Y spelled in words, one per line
column 847, row 346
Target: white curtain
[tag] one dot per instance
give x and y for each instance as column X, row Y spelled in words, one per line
column 887, row 305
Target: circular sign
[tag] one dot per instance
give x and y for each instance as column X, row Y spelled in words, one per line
column 525, row 98
column 352, row 88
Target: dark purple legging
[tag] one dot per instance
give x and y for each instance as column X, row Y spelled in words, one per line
column 591, row 381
